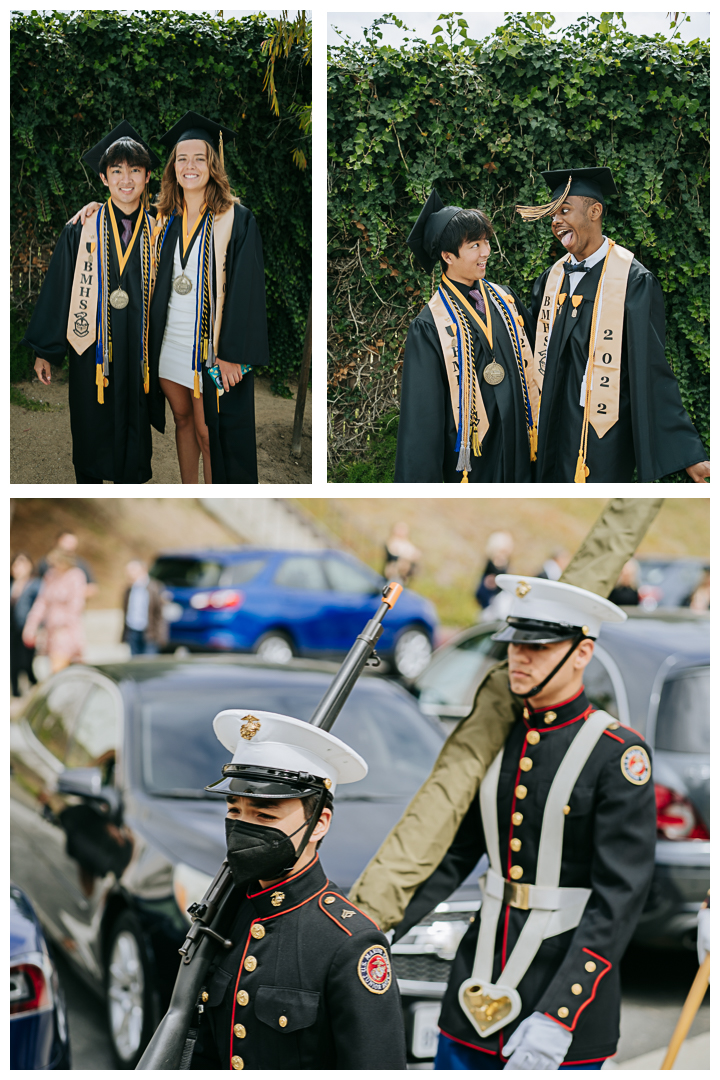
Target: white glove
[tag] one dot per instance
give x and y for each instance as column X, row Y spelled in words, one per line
column 537, row 1043
column 703, row 937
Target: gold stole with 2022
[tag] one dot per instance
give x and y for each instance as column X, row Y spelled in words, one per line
column 601, row 405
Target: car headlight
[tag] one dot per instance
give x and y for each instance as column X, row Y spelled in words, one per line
column 189, row 886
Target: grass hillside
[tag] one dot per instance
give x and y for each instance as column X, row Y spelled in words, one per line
column 113, row 531
column 452, row 533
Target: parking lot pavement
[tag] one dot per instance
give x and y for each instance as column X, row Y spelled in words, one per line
column 655, row 985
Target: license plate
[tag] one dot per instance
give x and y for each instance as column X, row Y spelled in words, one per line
column 425, row 1029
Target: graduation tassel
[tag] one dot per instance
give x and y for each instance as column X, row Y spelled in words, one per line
column 217, row 395
column 196, row 385
column 100, row 382
column 533, row 442
column 580, row 469
column 464, row 479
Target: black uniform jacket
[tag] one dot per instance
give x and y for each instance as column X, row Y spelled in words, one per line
column 308, row 985
column 427, row 434
column 654, row 432
column 608, row 846
column 243, row 340
column 111, row 441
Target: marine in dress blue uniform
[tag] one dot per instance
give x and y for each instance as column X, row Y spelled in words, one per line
column 308, row 983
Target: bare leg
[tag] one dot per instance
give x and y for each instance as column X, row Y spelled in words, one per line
column 188, row 450
column 203, row 438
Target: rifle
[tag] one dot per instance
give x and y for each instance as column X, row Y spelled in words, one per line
column 171, row 1047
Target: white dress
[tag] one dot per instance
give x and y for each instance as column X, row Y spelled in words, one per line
column 176, row 352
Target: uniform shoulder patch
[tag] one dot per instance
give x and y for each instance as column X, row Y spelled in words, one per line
column 374, row 969
column 635, row 765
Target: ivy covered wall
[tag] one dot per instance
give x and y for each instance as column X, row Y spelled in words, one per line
column 480, row 120
column 76, row 75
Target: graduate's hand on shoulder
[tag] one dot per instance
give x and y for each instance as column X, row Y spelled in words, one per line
column 87, row 212
column 43, row 371
column 231, row 374
column 700, row 472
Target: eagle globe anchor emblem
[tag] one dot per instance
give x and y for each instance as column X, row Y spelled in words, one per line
column 487, row 1006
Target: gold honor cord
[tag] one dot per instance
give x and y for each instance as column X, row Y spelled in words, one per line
column 187, row 238
column 119, row 298
column 486, row 329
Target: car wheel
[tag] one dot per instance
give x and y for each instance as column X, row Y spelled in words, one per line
column 412, row 652
column 129, row 997
column 275, row 647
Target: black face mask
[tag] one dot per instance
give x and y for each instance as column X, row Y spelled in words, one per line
column 259, row 851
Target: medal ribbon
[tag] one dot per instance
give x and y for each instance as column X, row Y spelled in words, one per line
column 485, row 327
column 188, row 237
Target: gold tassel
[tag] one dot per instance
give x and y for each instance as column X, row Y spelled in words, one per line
column 196, row 385
column 146, row 380
column 464, row 479
column 533, row 443
column 580, row 470
column 217, row 395
column 534, row 213
column 100, row 382
column 221, row 151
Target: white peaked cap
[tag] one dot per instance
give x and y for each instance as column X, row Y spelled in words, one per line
column 274, row 741
column 557, row 602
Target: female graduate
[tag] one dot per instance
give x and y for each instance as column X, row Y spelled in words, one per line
column 208, row 325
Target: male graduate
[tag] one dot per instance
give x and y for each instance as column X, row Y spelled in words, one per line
column 94, row 306
column 610, row 402
column 566, row 817
column 468, row 411
column 308, row 983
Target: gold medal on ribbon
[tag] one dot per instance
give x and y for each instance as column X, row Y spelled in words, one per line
column 494, row 373
column 119, row 298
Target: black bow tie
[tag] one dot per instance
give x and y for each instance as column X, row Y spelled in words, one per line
column 576, row 268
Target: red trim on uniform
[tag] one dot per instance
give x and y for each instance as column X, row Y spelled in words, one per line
column 292, row 877
column 585, row 1061
column 472, row 1046
column 266, row 918
column 584, row 1005
column 550, row 708
column 638, row 733
column 611, row 736
column 345, row 901
column 237, row 983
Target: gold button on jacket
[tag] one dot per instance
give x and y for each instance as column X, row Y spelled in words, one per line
column 517, row 818
column 521, row 791
column 516, row 872
column 257, row 930
column 533, row 737
column 549, row 717
column 243, row 997
column 591, row 965
column 515, row 844
column 562, row 1012
column 526, row 764
column 576, row 988
column 250, row 963
column 237, row 1062
column 239, row 1031
column 283, row 1021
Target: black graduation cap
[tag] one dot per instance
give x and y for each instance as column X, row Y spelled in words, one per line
column 595, row 183
column 194, row 126
column 124, row 130
column 424, row 240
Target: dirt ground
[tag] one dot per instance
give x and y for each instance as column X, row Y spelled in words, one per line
column 40, row 451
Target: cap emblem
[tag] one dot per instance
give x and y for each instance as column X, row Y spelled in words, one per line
column 250, row 727
column 522, row 589
column 277, row 898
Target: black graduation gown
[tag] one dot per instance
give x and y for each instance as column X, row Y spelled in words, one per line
column 608, row 846
column 304, row 1000
column 243, row 340
column 427, row 434
column 111, row 441
column 653, row 431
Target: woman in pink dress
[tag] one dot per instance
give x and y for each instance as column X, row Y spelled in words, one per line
column 59, row 608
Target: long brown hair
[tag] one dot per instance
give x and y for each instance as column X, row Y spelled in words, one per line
column 218, row 193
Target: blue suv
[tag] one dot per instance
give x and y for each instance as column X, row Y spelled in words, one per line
column 281, row 604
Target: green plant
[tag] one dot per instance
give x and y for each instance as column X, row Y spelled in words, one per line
column 75, row 75
column 480, row 120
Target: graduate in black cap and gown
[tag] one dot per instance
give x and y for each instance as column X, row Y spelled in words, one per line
column 208, row 326
column 610, row 402
column 94, row 307
column 468, row 411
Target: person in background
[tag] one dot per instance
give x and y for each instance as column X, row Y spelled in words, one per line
column 59, row 608
column 625, row 593
column 145, row 629
column 401, row 555
column 498, row 552
column 68, row 542
column 553, row 567
column 699, row 599
column 24, row 587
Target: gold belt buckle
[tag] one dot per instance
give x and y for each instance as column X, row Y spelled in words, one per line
column 517, row 896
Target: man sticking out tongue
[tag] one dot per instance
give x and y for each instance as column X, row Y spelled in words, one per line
column 610, row 402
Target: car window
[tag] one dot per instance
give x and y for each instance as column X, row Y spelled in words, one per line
column 95, row 736
column 683, row 719
column 180, row 753
column 346, row 577
column 187, row 573
column 240, row 572
column 599, row 688
column 301, row 572
column 453, row 676
column 53, row 720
